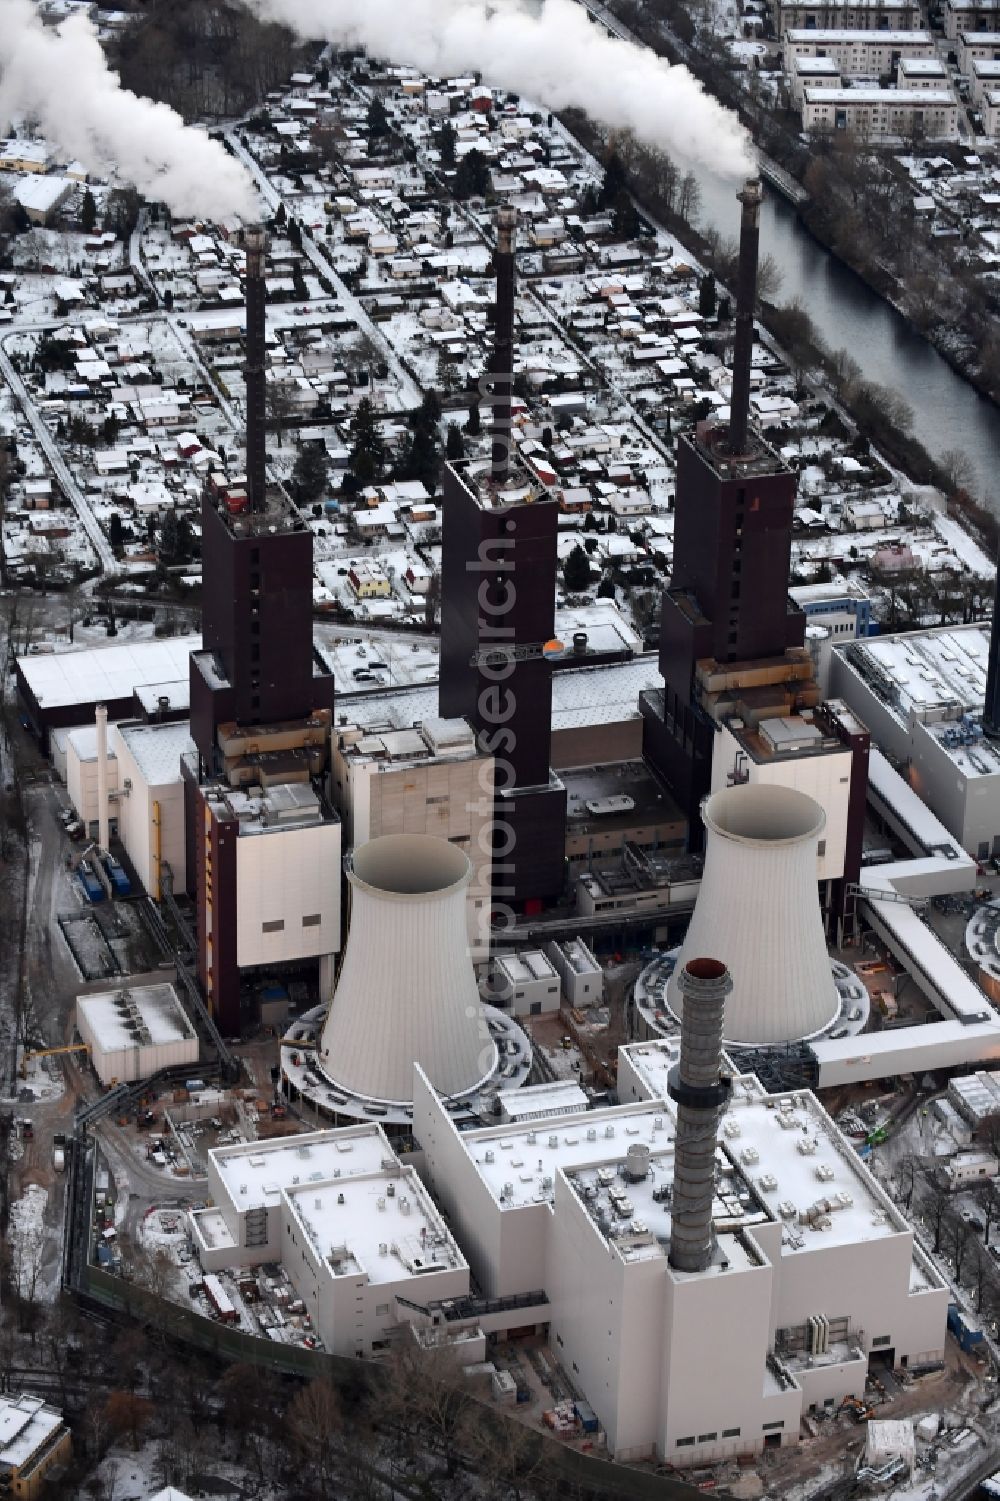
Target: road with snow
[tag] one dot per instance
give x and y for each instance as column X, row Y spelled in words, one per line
column 57, row 464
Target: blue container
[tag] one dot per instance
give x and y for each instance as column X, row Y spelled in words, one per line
column 92, row 888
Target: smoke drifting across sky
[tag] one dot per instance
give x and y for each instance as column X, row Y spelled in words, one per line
column 60, row 79
column 554, row 56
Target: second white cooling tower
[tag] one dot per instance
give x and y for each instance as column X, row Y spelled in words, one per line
column 758, row 911
column 407, row 992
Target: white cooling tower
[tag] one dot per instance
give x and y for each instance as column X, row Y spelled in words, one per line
column 758, row 911
column 407, row 992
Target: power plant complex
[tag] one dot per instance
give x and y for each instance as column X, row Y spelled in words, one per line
column 693, row 1235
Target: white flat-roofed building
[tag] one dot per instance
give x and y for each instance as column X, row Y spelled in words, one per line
column 352, row 1246
column 135, row 1031
column 922, row 73
column 803, row 753
column 581, row 974
column 691, row 1367
column 526, row 984
column 970, row 15
column 431, row 780
column 858, row 54
column 287, row 873
column 352, row 1226
column 984, row 77
column 151, row 815
column 883, row 114
column 817, row 71
column 847, row 15
column 537, row 1101
column 976, row 46
column 976, row 1096
column 62, row 688
column 921, row 695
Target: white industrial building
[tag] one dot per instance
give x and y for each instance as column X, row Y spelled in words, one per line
column 976, row 1096
column 431, row 780
column 921, row 695
column 287, row 874
column 82, row 775
column 526, row 984
column 133, row 1032
column 799, row 751
column 813, row 1265
column 581, row 974
column 353, row 1227
column 150, row 808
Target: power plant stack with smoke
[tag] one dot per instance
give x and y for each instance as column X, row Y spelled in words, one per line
column 758, row 910
column 730, row 641
column 261, row 713
column 256, row 390
column 498, row 585
column 701, row 1093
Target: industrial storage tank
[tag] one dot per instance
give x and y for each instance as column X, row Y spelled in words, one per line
column 407, row 992
column 758, row 911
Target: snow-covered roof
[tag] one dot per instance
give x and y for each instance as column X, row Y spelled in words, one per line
column 105, row 673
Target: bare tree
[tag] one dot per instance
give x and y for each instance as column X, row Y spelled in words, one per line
column 982, row 1274
column 906, row 1174
column 957, row 469
column 314, row 1421
column 429, row 1394
column 510, row 1458
column 959, row 1242
column 935, row 1204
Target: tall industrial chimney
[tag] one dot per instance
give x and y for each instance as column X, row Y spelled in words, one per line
column 701, row 1093
column 502, row 359
column 254, row 245
column 991, row 706
column 103, row 816
column 746, row 296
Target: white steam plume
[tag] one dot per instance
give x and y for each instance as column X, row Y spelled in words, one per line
column 60, row 79
column 555, row 56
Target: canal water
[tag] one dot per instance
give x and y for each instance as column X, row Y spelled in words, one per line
column 948, row 413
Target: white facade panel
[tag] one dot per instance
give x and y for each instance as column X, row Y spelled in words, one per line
column 284, row 878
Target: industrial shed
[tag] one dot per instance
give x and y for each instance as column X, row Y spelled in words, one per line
column 134, row 1032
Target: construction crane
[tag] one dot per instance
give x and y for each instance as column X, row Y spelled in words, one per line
column 73, row 1047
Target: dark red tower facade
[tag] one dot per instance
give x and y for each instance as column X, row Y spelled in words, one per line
column 261, row 703
column 726, row 617
column 498, row 585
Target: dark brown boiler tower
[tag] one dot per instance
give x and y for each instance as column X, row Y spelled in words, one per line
column 498, row 587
